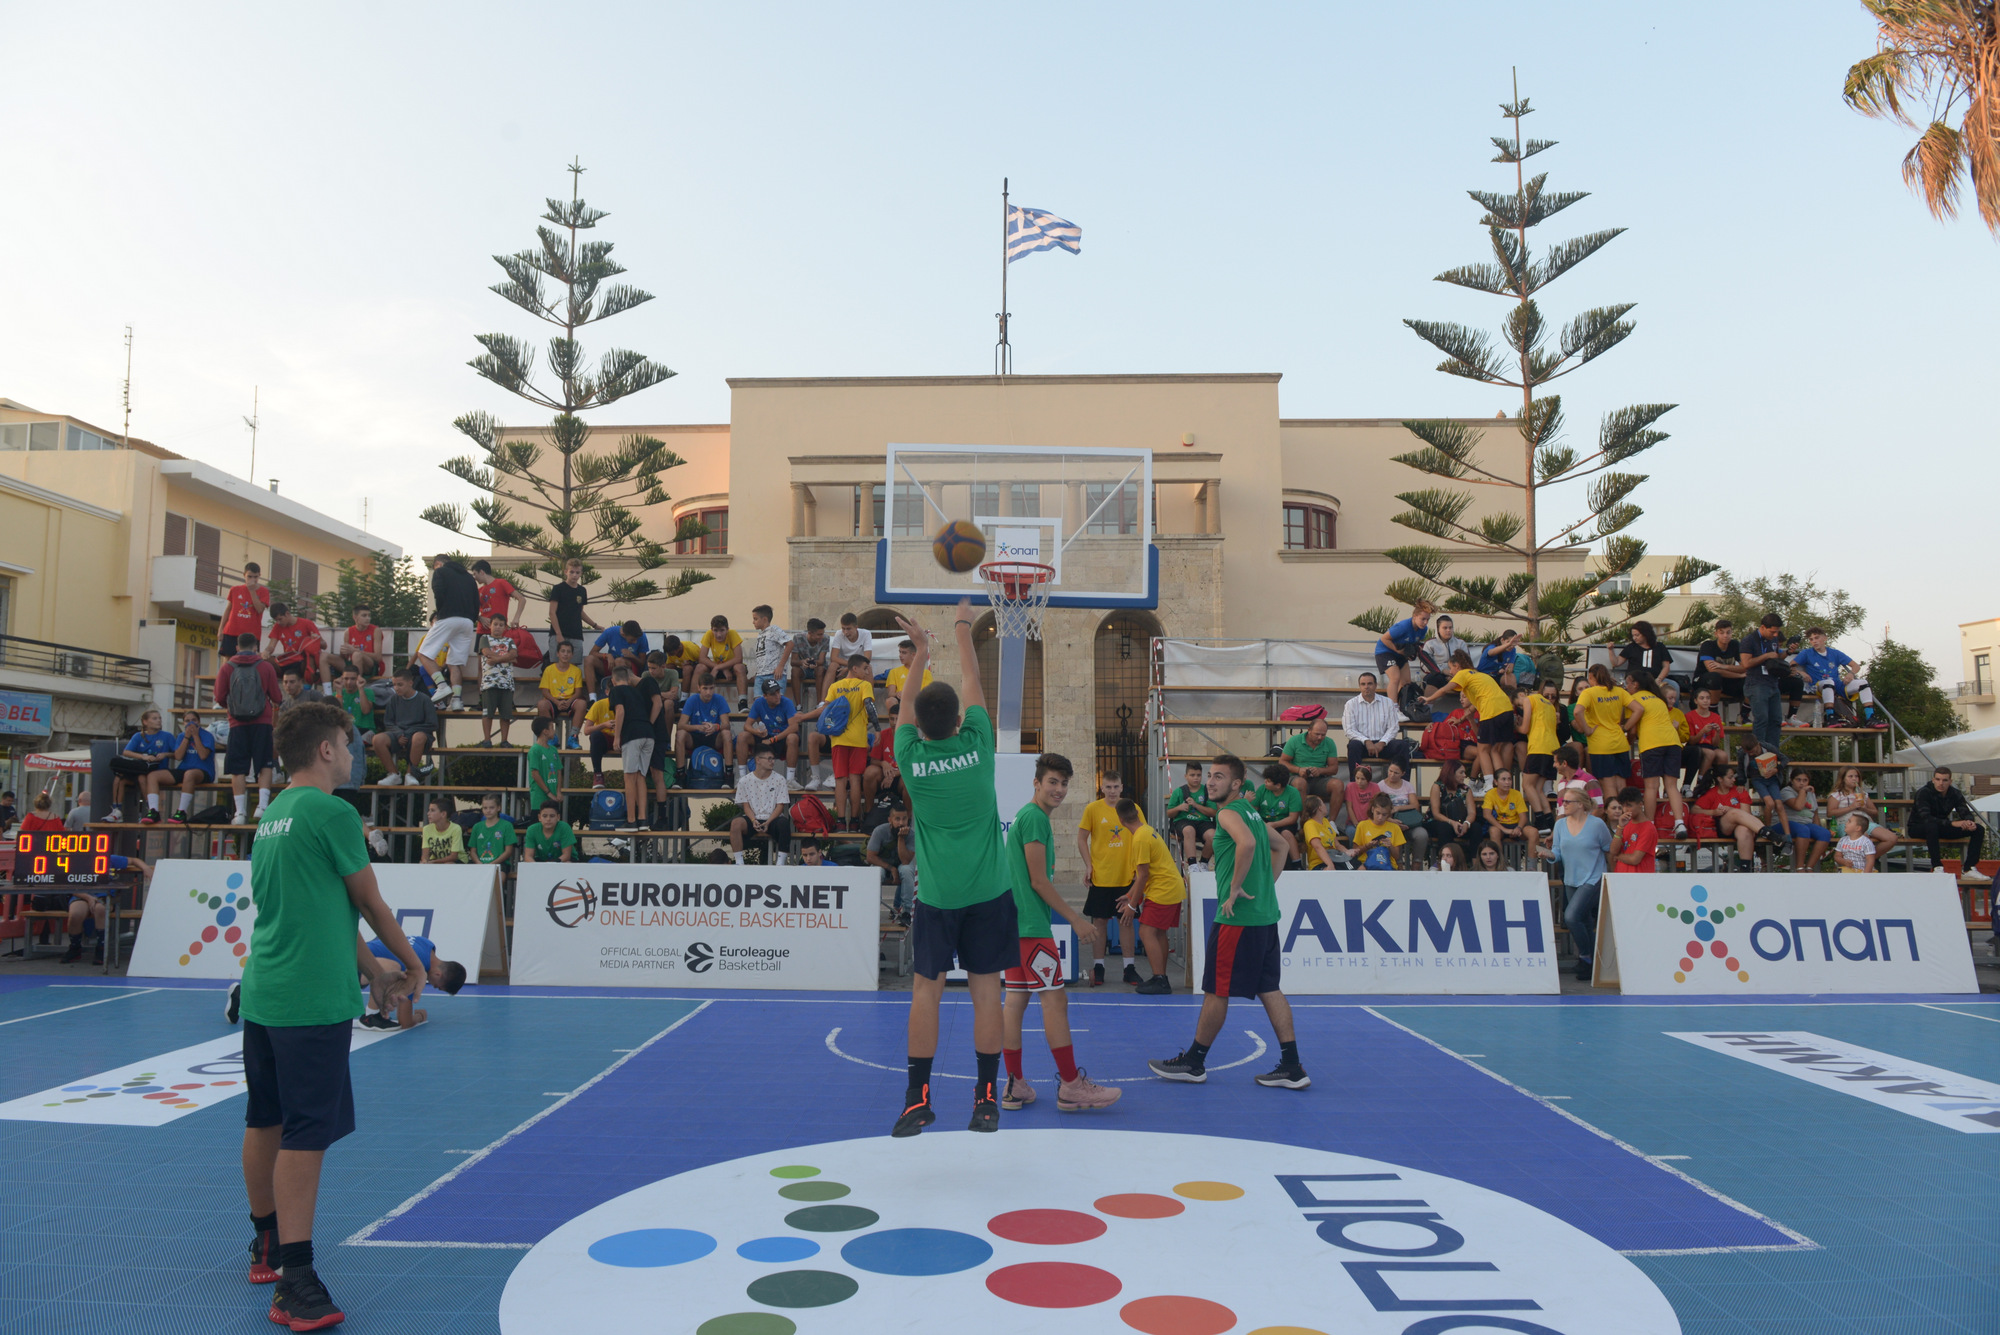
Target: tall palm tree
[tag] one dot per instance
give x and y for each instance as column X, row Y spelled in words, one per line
column 1938, row 54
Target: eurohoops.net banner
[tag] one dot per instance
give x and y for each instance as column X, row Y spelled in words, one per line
column 696, row 925
column 1749, row 933
column 1404, row 932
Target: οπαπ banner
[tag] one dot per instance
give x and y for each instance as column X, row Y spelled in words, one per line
column 1405, row 931
column 1745, row 933
column 602, row 924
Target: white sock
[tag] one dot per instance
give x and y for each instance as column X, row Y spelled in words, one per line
column 152, row 801
column 782, row 858
column 242, row 804
column 1867, row 695
column 187, row 800
column 737, row 858
column 263, row 798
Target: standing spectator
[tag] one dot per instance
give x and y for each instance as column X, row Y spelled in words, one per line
column 407, row 724
column 247, row 687
column 1719, row 666
column 850, row 641
column 1638, row 837
column 810, row 656
column 1579, row 845
column 447, row 645
column 1314, row 760
column 359, row 646
column 192, row 762
column 1374, row 728
column 856, row 692
column 765, row 798
column 1495, row 748
column 889, row 848
column 1856, row 851
column 1191, row 818
column 705, row 722
column 545, row 766
column 1601, row 710
column 1762, row 655
column 722, row 660
column 497, row 597
column 1156, row 896
column 662, row 684
column 1643, row 651
column 1443, row 644
column 496, row 680
column 622, row 643
column 1791, row 681
column 1536, row 722
column 491, row 839
column 1941, row 814
column 883, row 779
column 770, row 651
column 634, row 729
column 1396, row 645
column 1106, row 852
column 563, row 691
column 566, row 615
column 1652, row 726
column 550, row 838
column 245, row 606
column 442, row 837
column 294, row 640
column 145, row 756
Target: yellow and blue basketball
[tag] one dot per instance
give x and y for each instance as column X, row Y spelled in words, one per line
column 959, row 546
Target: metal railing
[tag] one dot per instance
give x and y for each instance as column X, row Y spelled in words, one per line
column 70, row 660
column 1971, row 688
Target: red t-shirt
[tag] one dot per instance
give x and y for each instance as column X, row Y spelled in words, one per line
column 246, row 610
column 495, row 597
column 361, row 639
column 34, row 822
column 298, row 640
column 1638, row 836
column 884, row 750
column 526, row 652
column 1736, row 799
column 1704, row 729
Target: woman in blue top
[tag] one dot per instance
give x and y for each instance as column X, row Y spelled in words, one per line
column 1398, row 644
column 144, row 757
column 192, row 763
column 1579, row 845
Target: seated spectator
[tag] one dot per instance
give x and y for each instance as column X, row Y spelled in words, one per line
column 1314, row 761
column 1766, row 773
column 1643, row 651
column 1487, row 857
column 1719, row 668
column 1452, row 857
column 768, row 656
column 890, row 848
column 497, row 597
column 293, row 690
column 1374, row 728
column 624, row 643
column 660, row 666
column 443, row 838
column 1855, row 851
column 1850, row 798
column 1361, row 790
column 1638, row 837
column 705, row 722
column 406, row 726
column 1707, row 748
column 599, row 728
column 765, row 798
column 191, row 765
column 1810, row 839
column 1441, row 646
column 78, row 819
column 1453, row 818
column 1403, row 806
column 83, row 905
column 772, row 722
column 897, row 675
column 1496, row 660
column 41, row 815
column 850, row 640
column 1191, row 818
column 550, row 838
column 1506, row 814
column 147, row 754
column 1940, row 814
column 810, row 655
column 496, row 653
column 1495, row 748
column 632, row 718
column 722, row 661
column 1731, row 804
column 1278, row 803
column 563, row 694
column 447, row 976
column 810, row 853
column 1397, row 645
column 1322, row 845
column 1378, row 837
column 1569, row 776
column 528, row 658
column 294, row 640
column 359, row 702
column 1835, row 676
column 8, row 813
column 359, row 646
column 883, row 775
column 1601, row 711
column 1791, row 681
column 492, row 839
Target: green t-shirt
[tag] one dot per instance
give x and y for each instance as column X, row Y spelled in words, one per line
column 950, row 784
column 545, row 767
column 548, row 847
column 1274, row 807
column 1200, row 795
column 491, row 842
column 1031, row 826
column 300, row 969
column 352, row 702
column 1260, row 906
column 1307, row 756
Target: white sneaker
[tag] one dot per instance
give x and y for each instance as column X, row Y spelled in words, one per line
column 441, row 693
column 379, row 842
column 239, row 819
column 1973, row 876
column 392, row 781
column 826, row 784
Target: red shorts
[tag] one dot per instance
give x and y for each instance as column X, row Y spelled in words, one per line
column 849, row 761
column 1040, row 969
column 1165, row 917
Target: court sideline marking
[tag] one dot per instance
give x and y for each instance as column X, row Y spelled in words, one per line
column 1803, row 1242
column 834, row 1047
column 362, row 1238
column 140, row 992
column 1932, row 1006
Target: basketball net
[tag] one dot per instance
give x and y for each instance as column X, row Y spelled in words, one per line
column 1019, row 593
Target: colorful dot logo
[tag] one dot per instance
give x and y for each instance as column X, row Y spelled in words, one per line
column 1705, row 918
column 145, row 1085
column 225, row 933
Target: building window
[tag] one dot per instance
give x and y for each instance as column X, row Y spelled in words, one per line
column 79, row 439
column 279, row 576
column 1982, row 674
column 6, row 604
column 308, row 580
column 715, row 542
column 1120, row 512
column 1617, row 586
column 1308, row 528
column 207, row 558
column 908, row 518
column 1023, row 499
column 174, row 540
column 30, row 435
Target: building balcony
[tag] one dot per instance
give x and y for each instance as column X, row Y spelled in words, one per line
column 72, row 670
column 1973, row 693
column 189, row 584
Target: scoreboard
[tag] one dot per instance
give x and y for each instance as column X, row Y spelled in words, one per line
column 59, row 857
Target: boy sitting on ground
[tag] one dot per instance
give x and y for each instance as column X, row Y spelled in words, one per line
column 446, row 975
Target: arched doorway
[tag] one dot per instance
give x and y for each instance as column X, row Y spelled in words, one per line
column 987, row 644
column 1124, row 678
column 880, row 621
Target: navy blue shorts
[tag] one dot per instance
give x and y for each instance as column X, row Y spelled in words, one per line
column 1617, row 765
column 248, row 750
column 1384, row 660
column 984, row 937
column 1662, row 762
column 297, row 1079
column 1242, row 961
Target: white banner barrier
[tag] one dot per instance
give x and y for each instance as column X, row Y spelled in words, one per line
column 200, row 915
column 1782, row 932
column 696, row 925
column 1404, row 932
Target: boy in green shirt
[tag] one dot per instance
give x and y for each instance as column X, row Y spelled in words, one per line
column 1279, row 804
column 965, row 902
column 1190, row 818
column 545, row 765
column 492, row 839
column 1031, row 866
column 550, row 838
column 312, row 884
column 1243, row 957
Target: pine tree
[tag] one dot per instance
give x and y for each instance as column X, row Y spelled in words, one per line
column 1536, row 353
column 589, row 508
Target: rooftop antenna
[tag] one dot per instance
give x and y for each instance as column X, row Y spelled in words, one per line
column 251, row 422
column 125, row 438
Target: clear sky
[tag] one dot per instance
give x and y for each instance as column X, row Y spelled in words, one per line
column 306, row 200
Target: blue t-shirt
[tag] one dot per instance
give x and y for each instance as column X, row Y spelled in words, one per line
column 613, row 641
column 1823, row 666
column 193, row 759
column 1406, row 635
column 421, row 944
column 1493, row 660
column 775, row 718
column 697, row 710
column 159, row 745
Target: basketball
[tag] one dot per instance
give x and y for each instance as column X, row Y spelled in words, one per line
column 959, row 546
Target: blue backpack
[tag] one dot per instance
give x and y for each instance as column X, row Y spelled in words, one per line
column 1378, row 858
column 834, row 716
column 607, row 809
column 705, row 766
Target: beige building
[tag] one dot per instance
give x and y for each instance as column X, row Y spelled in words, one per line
column 113, row 560
column 1978, row 652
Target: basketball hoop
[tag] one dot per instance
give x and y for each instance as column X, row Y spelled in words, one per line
column 1019, row 592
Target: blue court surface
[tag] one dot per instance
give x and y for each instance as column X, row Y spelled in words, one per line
column 718, row 1163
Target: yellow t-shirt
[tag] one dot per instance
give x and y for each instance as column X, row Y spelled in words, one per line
column 1605, row 707
column 689, row 655
column 1163, row 878
column 1486, row 694
column 900, row 674
column 1656, row 725
column 1681, row 728
column 1111, row 857
column 1508, row 808
column 561, row 683
column 1367, row 832
column 857, row 694
column 446, row 843
column 720, row 650
column 600, row 711
column 1322, row 831
column 1541, row 727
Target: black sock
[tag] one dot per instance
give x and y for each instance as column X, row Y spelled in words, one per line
column 1198, row 1052
column 1288, row 1053
column 294, row 1257
column 920, row 1079
column 989, row 1074
column 264, row 1223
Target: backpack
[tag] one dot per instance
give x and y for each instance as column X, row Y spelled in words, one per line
column 607, row 809
column 810, row 816
column 1444, row 739
column 1303, row 713
column 247, row 697
column 1378, row 858
column 211, row 815
column 833, row 717
column 705, row 767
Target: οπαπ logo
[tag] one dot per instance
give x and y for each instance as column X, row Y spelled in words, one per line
column 571, row 902
column 700, row 956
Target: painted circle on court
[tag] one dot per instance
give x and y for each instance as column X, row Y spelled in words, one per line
column 652, row 1247
column 814, row 1191
column 1046, row 1228
column 916, row 1238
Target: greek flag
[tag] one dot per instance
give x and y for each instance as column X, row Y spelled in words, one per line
column 1030, row 230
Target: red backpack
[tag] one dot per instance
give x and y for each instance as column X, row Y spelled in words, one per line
column 810, row 816
column 1446, row 738
column 1303, row 714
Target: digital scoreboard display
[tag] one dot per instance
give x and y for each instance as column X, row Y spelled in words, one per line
column 58, row 857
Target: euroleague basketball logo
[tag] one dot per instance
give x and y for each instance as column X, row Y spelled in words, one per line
column 571, row 902
column 699, row 956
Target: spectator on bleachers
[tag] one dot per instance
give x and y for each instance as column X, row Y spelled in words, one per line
column 294, row 688
column 849, row 641
column 633, row 724
column 446, row 650
column 85, row 906
column 765, row 798
column 1443, row 643
column 660, row 684
column 1601, row 711
column 1849, row 798
column 496, row 680
column 491, row 840
column 599, row 727
column 1579, row 846
column 443, row 838
column 705, row 722
column 1488, row 857
column 1191, row 818
column 1397, row 645
column 566, row 615
column 1810, row 839
column 623, row 643
column 145, row 755
column 883, row 777
column 1452, row 857
column 1374, row 728
column 1791, row 681
column 811, row 652
column 890, row 849
column 294, row 641
column 563, row 692
column 1707, row 748
column 245, row 605
column 1643, row 652
column 1570, row 776
column 1361, row 790
column 1766, row 773
column 1453, row 818
column 722, row 661
column 1638, row 838
column 1322, row 844
column 1719, row 667
column 1855, row 851
column 769, row 652
column 856, row 691
column 357, row 699
column 1379, row 838
column 190, row 765
column 251, row 705
column 1939, row 815
column 497, row 596
column 358, row 646
column 1535, row 722
column 545, row 765
column 1496, row 660
column 1652, row 727
column 1314, row 760
column 1833, row 675
column 406, row 726
column 528, row 656
column 893, row 680
column 1279, row 804
column 1762, row 654
column 1482, row 693
column 1506, row 813
column 1731, row 805
column 772, row 722
column 1407, row 810
column 550, row 838
column 810, row 853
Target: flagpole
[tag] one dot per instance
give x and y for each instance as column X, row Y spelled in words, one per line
column 1003, row 352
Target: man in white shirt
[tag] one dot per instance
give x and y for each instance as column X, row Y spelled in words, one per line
column 769, row 652
column 850, row 641
column 1374, row 728
column 765, row 798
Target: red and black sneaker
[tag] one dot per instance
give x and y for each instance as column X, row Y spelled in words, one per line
column 264, row 1257
column 303, row 1303
column 985, row 1110
column 915, row 1117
